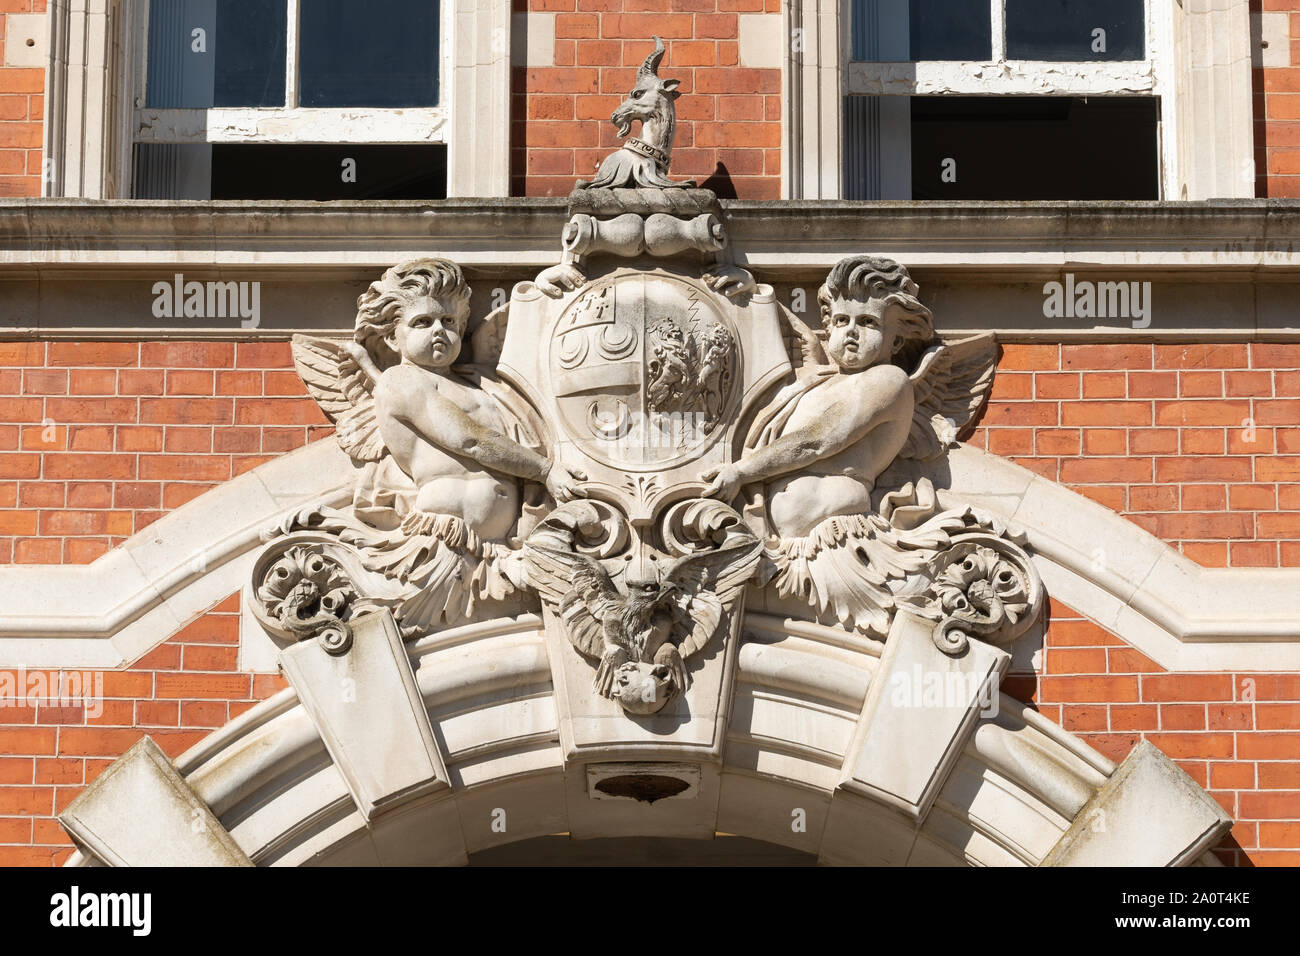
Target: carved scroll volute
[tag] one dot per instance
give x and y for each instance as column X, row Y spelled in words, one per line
column 300, row 589
column 981, row 588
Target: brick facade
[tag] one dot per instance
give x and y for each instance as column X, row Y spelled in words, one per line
column 728, row 119
column 1233, row 733
column 22, row 115
column 177, row 694
column 1277, row 112
column 1198, row 444
column 99, row 439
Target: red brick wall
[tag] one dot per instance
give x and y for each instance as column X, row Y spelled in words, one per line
column 22, row 113
column 99, row 439
column 177, row 694
column 1163, row 435
column 726, row 115
column 1235, row 734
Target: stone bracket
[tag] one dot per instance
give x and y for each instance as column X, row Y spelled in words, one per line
column 918, row 715
column 370, row 713
column 141, row 812
column 1149, row 813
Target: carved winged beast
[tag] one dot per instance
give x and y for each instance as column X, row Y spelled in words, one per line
column 664, row 612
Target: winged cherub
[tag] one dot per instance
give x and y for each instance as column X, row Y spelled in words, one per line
column 394, row 394
column 849, row 417
column 875, row 386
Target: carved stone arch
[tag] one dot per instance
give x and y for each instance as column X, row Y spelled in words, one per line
column 1017, row 790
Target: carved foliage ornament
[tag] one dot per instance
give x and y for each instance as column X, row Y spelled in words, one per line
column 638, row 437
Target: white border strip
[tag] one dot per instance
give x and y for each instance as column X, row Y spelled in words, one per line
column 110, row 612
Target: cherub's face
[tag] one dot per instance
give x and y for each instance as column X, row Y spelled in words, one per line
column 428, row 331
column 860, row 334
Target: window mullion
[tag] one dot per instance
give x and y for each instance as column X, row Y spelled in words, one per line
column 998, row 10
column 291, row 54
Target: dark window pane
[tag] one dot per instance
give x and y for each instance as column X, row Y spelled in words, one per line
column 892, row 31
column 380, row 53
column 1076, row 30
column 250, row 53
column 228, row 171
column 173, row 171
column 205, row 53
column 318, row 172
column 951, row 30
column 1025, row 147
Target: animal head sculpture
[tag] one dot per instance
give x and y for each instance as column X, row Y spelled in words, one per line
column 651, row 101
column 643, row 160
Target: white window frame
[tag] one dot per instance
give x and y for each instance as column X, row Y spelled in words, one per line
column 96, row 114
column 1197, row 63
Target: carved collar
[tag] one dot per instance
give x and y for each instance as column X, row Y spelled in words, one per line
column 645, row 149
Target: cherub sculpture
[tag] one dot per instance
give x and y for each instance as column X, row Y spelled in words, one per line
column 874, row 386
column 441, row 460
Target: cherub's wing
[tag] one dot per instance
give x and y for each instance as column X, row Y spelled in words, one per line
column 706, row 587
column 342, row 380
column 951, row 384
column 573, row 584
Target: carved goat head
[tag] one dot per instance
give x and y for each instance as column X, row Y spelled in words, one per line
column 651, row 102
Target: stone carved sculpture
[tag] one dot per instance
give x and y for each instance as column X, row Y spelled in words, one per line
column 309, row 595
column 641, row 611
column 643, row 160
column 646, row 436
column 873, row 386
column 632, row 208
column 441, row 458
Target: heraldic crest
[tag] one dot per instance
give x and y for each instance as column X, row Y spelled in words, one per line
column 641, row 440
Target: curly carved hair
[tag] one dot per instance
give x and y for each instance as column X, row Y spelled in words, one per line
column 875, row 277
column 380, row 305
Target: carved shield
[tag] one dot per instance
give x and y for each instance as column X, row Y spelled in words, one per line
column 643, row 372
column 642, row 376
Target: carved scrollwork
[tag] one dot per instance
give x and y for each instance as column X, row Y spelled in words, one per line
column 303, row 593
column 959, row 568
column 983, row 587
column 432, row 570
column 589, row 454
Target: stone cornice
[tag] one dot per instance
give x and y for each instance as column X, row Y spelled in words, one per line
column 1239, row 237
